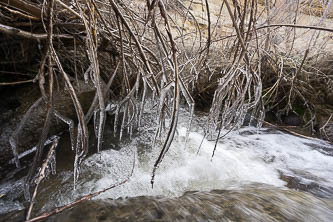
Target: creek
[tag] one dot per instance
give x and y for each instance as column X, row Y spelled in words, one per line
column 255, row 175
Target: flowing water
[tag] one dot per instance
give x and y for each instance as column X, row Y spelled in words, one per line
column 264, row 175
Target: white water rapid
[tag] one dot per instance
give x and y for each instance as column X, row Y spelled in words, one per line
column 242, row 157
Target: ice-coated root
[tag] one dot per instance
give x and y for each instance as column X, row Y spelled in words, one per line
column 93, row 106
column 92, row 45
column 33, row 149
column 163, row 101
column 128, row 119
column 238, row 92
column 82, row 135
column 165, row 68
column 176, row 94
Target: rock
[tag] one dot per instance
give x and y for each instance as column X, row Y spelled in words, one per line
column 31, row 131
column 292, row 120
column 253, row 203
column 310, row 186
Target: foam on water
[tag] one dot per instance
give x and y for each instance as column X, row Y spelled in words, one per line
column 242, row 157
column 13, row 189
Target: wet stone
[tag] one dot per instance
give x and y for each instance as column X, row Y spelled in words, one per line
column 254, row 203
column 21, row 101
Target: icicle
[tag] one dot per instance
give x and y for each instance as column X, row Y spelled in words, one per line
column 70, row 124
column 13, row 145
column 77, row 155
column 155, row 137
column 53, row 160
column 116, row 120
column 242, row 116
column 101, row 125
column 96, row 120
column 137, row 86
column 27, row 191
column 108, row 107
column 99, row 121
column 190, row 102
column 76, row 170
column 143, row 101
column 210, row 125
column 86, row 74
column 128, row 127
column 203, row 138
column 131, row 132
column 123, row 121
column 189, row 125
column 161, row 106
column 131, row 119
column 154, row 94
column 260, row 119
column 137, row 114
column 79, row 138
column 92, row 77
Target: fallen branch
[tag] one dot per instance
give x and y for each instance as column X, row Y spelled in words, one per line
column 28, row 35
column 42, row 175
column 21, row 14
column 279, row 26
column 82, row 199
column 15, row 83
column 296, row 26
column 24, row 6
column 69, row 9
column 283, row 128
column 33, row 149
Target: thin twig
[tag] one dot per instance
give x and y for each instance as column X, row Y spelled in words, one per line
column 82, row 199
column 28, row 35
column 42, row 175
column 15, row 83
